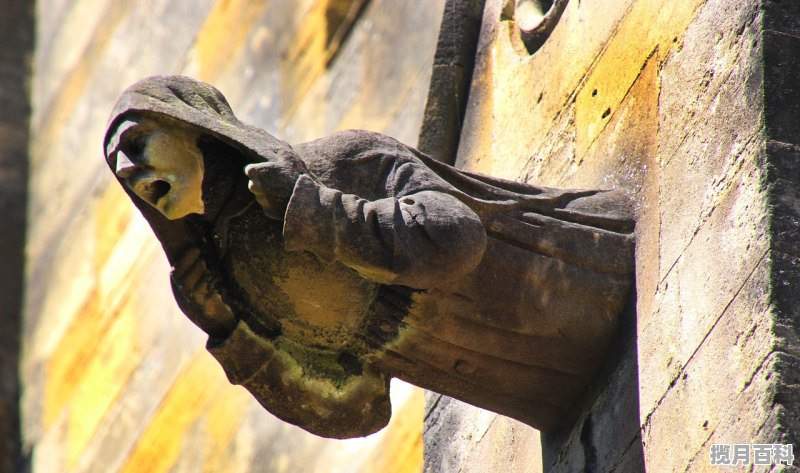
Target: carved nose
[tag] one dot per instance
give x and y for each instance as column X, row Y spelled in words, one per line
column 125, row 167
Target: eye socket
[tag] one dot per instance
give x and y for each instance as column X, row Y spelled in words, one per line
column 132, row 145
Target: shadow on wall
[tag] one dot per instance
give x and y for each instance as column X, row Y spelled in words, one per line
column 605, row 434
column 16, row 44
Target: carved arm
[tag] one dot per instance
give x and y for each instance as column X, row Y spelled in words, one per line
column 417, row 240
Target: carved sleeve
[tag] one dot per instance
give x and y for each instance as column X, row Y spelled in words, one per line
column 342, row 407
column 418, row 239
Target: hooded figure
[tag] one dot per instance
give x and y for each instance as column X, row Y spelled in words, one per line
column 322, row 270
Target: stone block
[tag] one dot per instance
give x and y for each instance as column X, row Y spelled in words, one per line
column 460, row 437
column 520, row 96
column 604, row 433
column 710, row 385
column 721, row 42
column 702, row 146
column 703, row 282
column 751, row 420
column 649, row 25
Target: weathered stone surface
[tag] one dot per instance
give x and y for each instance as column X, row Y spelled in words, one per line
column 724, row 120
column 86, row 248
column 782, row 106
column 450, row 79
column 460, row 437
column 716, row 217
column 648, row 26
column 524, row 95
column 605, row 431
column 691, row 299
column 395, row 279
column 708, row 389
column 783, row 174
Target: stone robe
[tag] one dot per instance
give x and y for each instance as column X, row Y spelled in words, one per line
column 390, row 264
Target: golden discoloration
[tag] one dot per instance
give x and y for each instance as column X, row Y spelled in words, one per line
column 316, row 42
column 223, row 420
column 102, row 379
column 400, row 449
column 160, row 444
column 57, row 112
column 306, row 57
column 112, row 215
column 119, row 257
column 66, row 365
column 650, row 26
column 228, row 23
column 344, row 302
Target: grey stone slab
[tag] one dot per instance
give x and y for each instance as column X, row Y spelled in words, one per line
column 782, row 182
column 707, row 276
column 710, row 391
column 781, row 16
column 450, row 79
column 781, row 88
column 710, row 133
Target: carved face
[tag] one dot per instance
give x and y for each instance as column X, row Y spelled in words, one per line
column 161, row 164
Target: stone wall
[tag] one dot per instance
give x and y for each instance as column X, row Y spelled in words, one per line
column 16, row 46
column 690, row 106
column 115, row 377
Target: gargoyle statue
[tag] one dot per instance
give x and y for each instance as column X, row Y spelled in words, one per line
column 320, row 271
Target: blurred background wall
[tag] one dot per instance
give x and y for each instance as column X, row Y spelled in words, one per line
column 16, row 46
column 115, row 377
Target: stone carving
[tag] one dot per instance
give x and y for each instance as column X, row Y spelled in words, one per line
column 322, row 270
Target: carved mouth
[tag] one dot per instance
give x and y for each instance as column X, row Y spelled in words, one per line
column 154, row 190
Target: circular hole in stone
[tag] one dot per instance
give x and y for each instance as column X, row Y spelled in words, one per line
column 529, row 13
column 535, row 20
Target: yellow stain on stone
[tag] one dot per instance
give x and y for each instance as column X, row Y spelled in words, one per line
column 76, row 348
column 103, row 377
column 112, row 216
column 362, row 114
column 651, row 25
column 317, row 40
column 188, row 399
column 307, row 57
column 223, row 33
column 400, row 450
column 65, row 367
column 223, row 421
column 56, row 114
column 135, row 249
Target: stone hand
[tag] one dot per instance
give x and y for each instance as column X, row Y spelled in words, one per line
column 272, row 183
column 200, row 287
